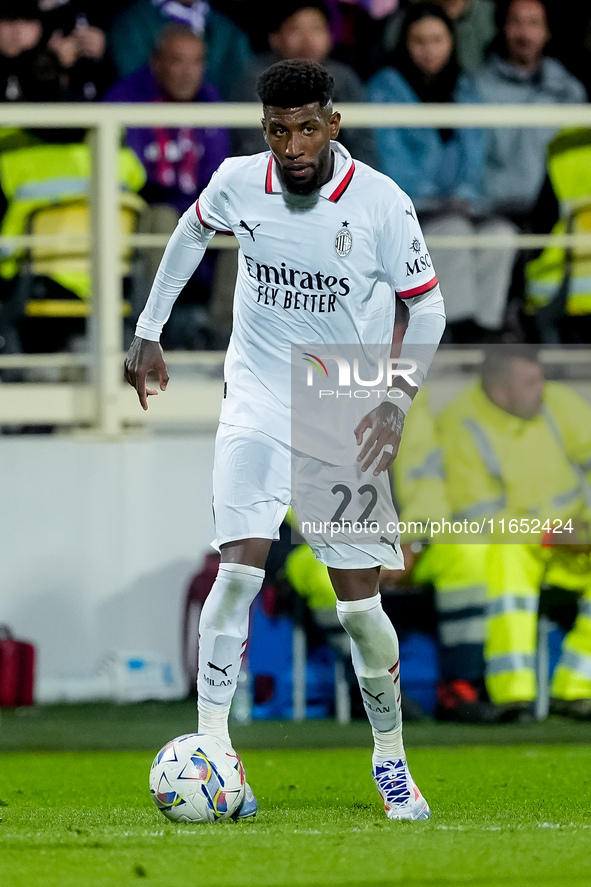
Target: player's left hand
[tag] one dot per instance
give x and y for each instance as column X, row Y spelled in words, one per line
column 385, row 423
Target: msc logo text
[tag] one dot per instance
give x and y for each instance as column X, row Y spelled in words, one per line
column 421, row 263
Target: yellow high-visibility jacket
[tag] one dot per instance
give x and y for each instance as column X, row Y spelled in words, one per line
column 498, row 466
column 569, row 168
column 44, row 175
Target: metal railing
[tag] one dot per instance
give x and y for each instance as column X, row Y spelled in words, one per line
column 104, row 404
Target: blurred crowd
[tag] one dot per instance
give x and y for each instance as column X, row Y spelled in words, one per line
column 463, row 181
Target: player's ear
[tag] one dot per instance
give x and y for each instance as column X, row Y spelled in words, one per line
column 334, row 124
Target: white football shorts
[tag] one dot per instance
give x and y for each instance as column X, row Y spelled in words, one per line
column 252, row 476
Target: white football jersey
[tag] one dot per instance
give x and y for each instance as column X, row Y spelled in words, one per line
column 318, row 269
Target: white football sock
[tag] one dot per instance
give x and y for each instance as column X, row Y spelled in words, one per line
column 375, row 655
column 223, row 632
column 214, row 722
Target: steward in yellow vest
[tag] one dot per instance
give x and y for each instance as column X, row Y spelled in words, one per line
column 517, row 457
column 559, row 280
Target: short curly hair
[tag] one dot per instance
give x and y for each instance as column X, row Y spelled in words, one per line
column 294, row 82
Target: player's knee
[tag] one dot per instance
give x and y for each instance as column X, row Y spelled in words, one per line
column 358, row 625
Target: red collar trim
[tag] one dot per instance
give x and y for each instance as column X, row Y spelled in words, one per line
column 334, row 197
column 343, row 185
column 269, row 177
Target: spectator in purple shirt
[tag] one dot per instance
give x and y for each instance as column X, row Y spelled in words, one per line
column 179, row 161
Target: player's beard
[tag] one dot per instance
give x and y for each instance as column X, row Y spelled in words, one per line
column 299, row 186
column 321, row 173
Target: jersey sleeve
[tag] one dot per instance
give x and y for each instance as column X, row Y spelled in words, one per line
column 211, row 206
column 408, row 268
column 183, row 254
column 402, row 249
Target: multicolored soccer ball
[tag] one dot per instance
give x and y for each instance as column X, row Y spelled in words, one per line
column 197, row 778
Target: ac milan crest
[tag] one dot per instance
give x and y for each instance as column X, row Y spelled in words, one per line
column 343, row 243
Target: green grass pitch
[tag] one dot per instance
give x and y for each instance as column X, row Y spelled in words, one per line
column 506, row 815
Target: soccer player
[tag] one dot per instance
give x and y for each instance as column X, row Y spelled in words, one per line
column 301, row 278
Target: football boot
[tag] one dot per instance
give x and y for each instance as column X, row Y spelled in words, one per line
column 401, row 797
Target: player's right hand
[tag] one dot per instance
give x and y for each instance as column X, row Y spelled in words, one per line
column 143, row 357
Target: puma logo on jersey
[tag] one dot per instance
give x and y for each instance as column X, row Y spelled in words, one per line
column 387, row 542
column 224, row 671
column 409, row 212
column 377, row 698
column 250, row 230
